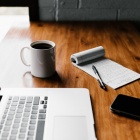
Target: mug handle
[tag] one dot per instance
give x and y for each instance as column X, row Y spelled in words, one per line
column 22, row 56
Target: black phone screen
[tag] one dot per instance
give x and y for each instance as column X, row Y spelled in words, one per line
column 126, row 105
column 0, row 98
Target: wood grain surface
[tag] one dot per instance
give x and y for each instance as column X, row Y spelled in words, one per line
column 121, row 41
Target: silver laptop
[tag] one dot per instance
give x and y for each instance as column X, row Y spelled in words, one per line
column 46, row 114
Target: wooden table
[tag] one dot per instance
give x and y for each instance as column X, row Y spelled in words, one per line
column 121, row 42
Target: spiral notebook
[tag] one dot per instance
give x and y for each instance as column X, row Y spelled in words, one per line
column 112, row 73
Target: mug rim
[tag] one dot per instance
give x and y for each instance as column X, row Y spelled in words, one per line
column 43, row 41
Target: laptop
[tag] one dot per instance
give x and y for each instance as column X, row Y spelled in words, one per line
column 46, row 114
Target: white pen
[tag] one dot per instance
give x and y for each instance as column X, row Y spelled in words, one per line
column 102, row 85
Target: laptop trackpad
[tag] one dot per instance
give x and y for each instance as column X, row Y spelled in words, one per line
column 70, row 128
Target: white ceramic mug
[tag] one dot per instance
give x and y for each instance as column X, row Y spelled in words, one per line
column 42, row 58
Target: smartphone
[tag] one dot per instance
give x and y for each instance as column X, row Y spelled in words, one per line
column 127, row 106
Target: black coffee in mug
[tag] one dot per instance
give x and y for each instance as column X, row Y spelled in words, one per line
column 42, row 46
column 42, row 58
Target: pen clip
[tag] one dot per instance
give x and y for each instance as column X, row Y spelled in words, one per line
column 94, row 69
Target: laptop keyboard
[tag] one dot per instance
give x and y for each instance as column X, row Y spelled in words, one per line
column 23, row 118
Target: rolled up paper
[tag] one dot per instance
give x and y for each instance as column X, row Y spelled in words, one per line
column 87, row 55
